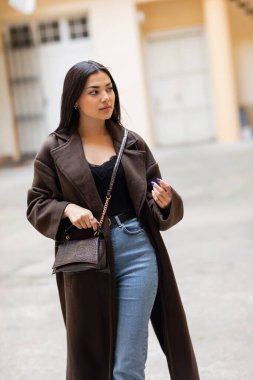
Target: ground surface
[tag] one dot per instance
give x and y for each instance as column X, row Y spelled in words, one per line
column 211, row 251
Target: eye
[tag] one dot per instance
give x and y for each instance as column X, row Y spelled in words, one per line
column 109, row 89
column 93, row 93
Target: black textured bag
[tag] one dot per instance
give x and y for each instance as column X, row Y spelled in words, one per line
column 86, row 254
column 79, row 255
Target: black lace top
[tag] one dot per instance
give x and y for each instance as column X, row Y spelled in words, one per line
column 120, row 200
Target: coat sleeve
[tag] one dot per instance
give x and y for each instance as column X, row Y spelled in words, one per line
column 45, row 205
column 164, row 218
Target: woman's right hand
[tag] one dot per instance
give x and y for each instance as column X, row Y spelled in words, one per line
column 80, row 217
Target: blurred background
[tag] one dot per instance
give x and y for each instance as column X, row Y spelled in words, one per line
column 184, row 70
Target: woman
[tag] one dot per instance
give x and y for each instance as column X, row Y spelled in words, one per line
column 106, row 312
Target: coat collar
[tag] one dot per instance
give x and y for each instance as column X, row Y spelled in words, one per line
column 70, row 159
column 116, row 131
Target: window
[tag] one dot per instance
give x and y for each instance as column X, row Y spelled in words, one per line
column 78, row 28
column 49, row 32
column 20, row 37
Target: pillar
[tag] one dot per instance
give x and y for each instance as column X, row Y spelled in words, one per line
column 222, row 70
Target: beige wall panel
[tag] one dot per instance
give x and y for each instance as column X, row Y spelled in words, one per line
column 241, row 24
column 171, row 14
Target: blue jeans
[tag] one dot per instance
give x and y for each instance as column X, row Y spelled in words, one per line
column 137, row 281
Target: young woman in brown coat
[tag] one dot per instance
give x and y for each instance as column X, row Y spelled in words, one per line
column 106, row 312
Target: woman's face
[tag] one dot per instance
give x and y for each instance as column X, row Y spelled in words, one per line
column 98, row 98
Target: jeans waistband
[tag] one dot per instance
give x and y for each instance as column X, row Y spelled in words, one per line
column 116, row 220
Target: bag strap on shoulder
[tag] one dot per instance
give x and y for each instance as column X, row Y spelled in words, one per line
column 115, row 169
column 109, row 191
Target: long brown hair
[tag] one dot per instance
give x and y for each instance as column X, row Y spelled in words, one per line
column 74, row 83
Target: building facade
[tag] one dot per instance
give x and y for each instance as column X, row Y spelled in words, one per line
column 183, row 67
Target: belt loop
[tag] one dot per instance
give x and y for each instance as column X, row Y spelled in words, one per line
column 118, row 220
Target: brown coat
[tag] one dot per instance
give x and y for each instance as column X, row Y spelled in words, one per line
column 88, row 300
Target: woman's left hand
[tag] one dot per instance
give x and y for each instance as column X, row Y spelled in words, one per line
column 161, row 193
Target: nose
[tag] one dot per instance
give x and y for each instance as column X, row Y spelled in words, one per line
column 105, row 96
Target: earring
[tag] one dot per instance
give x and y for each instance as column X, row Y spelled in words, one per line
column 75, row 106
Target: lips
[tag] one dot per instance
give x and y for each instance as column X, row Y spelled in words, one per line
column 105, row 108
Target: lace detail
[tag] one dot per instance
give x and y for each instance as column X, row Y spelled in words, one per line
column 104, row 163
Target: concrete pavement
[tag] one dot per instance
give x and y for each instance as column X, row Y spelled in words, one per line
column 211, row 251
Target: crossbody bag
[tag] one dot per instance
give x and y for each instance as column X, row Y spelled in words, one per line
column 87, row 254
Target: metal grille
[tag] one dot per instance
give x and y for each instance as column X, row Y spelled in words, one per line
column 78, row 28
column 49, row 32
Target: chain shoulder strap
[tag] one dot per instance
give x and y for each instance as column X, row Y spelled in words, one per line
column 115, row 169
column 108, row 194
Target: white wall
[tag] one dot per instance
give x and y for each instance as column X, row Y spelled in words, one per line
column 55, row 60
column 116, row 42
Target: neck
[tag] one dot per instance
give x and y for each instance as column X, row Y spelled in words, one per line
column 89, row 127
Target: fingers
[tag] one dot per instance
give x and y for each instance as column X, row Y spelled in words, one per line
column 89, row 221
column 93, row 222
column 76, row 224
column 161, row 193
column 162, row 202
column 84, row 219
column 164, row 185
column 155, row 197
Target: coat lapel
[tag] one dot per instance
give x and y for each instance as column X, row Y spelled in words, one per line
column 70, row 160
column 134, row 164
